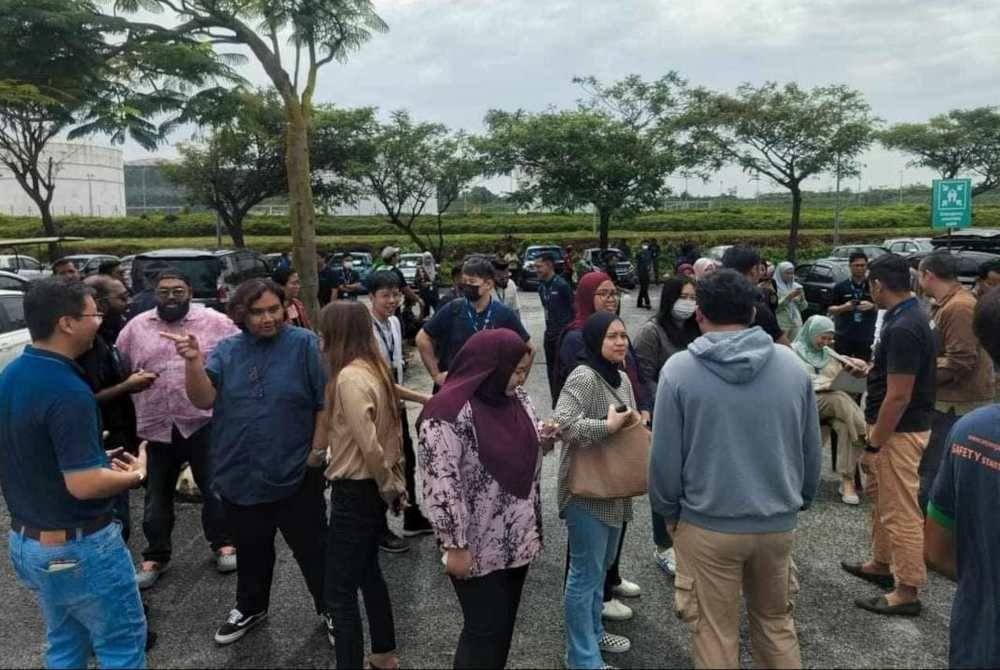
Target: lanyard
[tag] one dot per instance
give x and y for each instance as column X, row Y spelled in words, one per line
column 857, row 292
column 389, row 342
column 474, row 321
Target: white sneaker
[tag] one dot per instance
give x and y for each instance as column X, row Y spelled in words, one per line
column 627, row 589
column 614, row 644
column 615, row 610
column 666, row 560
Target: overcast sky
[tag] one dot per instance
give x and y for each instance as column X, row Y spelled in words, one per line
column 451, row 60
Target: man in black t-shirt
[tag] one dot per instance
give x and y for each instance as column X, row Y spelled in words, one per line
column 746, row 261
column 900, row 404
column 854, row 311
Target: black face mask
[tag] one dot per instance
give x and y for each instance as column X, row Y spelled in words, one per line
column 171, row 312
column 469, row 291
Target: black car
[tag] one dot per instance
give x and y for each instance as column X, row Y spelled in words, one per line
column 818, row 279
column 529, row 280
column 624, row 270
column 970, row 239
column 968, row 263
column 214, row 275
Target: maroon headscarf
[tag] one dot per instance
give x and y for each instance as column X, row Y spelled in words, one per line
column 583, row 301
column 506, row 436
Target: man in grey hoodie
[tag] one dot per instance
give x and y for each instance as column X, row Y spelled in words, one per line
column 736, row 455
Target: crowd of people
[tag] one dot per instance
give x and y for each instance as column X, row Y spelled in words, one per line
column 718, row 408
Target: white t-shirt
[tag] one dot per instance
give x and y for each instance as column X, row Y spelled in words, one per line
column 390, row 342
column 508, row 297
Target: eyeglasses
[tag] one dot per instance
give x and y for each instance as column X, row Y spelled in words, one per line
column 604, row 295
column 171, row 292
column 96, row 315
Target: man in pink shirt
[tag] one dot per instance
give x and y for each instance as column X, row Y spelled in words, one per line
column 177, row 431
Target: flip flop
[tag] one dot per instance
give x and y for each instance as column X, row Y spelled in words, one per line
column 879, row 605
column 883, row 581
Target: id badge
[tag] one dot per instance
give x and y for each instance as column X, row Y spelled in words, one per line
column 857, row 316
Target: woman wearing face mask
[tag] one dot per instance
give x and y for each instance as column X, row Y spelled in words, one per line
column 791, row 299
column 597, row 294
column 812, row 344
column 588, row 411
column 481, row 427
column 670, row 331
column 295, row 311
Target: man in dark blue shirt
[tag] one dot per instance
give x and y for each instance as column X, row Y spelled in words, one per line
column 345, row 279
column 557, row 301
column 962, row 533
column 442, row 337
column 60, row 488
column 855, row 311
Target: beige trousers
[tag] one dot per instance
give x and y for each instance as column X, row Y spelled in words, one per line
column 712, row 570
column 897, row 523
column 848, row 422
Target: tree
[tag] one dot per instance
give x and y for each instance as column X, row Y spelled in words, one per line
column 65, row 67
column 240, row 164
column 458, row 166
column 784, row 133
column 340, row 143
column 480, row 195
column 319, row 31
column 950, row 143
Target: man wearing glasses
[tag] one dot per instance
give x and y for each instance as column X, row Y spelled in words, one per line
column 177, row 431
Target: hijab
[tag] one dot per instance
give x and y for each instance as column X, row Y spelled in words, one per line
column 804, row 346
column 685, row 269
column 429, row 266
column 594, row 330
column 704, row 267
column 583, row 300
column 784, row 288
column 507, row 438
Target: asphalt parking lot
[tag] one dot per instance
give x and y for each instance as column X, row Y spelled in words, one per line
column 192, row 599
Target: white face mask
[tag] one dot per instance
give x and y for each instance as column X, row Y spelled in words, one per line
column 683, row 309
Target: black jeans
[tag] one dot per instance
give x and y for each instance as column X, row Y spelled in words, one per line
column 301, row 518
column 163, row 466
column 643, row 299
column 612, row 577
column 489, row 611
column 550, row 342
column 356, row 516
column 933, row 454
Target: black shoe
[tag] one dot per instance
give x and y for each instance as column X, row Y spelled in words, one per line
column 237, row 625
column 328, row 622
column 392, row 543
column 150, row 639
column 883, row 581
column 879, row 605
column 415, row 523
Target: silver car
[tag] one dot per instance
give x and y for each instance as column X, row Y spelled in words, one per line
column 13, row 329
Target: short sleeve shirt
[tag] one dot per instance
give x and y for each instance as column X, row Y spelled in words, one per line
column 557, row 301
column 267, row 396
column 765, row 316
column 854, row 326
column 453, row 325
column 49, row 426
column 906, row 347
column 966, row 499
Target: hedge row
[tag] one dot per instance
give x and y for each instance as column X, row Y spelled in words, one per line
column 725, row 218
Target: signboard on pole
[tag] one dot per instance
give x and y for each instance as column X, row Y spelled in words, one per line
column 951, row 205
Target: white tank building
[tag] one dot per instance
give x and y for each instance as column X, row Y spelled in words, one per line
column 90, row 181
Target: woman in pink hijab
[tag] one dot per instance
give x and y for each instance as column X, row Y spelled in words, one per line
column 704, row 267
column 685, row 270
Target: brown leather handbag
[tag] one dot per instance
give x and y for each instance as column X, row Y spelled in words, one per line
column 618, row 467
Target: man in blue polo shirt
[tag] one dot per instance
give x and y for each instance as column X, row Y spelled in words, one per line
column 60, row 488
column 962, row 532
column 451, row 326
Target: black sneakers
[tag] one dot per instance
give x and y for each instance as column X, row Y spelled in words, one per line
column 392, row 543
column 415, row 523
column 237, row 625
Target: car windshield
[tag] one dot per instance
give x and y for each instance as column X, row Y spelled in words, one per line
column 203, row 272
column 409, row 261
column 532, row 254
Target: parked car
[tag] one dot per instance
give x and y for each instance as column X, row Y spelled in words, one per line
column 908, row 245
column 12, row 282
column 624, row 269
column 844, row 252
column 716, row 253
column 214, row 275
column 89, row 264
column 968, row 263
column 972, row 239
column 529, row 279
column 818, row 279
column 408, row 266
column 25, row 266
column 13, row 329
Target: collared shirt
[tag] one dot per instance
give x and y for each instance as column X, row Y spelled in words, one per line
column 165, row 404
column 453, row 325
column 855, row 325
column 268, row 391
column 557, row 301
column 389, row 336
column 103, row 368
column 49, row 426
column 964, row 370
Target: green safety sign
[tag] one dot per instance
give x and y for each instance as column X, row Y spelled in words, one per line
column 952, row 203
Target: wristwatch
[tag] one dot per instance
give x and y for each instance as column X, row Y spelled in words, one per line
column 140, row 477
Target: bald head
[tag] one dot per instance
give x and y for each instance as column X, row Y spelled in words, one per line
column 111, row 294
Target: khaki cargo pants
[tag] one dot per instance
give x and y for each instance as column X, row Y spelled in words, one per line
column 712, row 571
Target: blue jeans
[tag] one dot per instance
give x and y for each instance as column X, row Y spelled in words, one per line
column 592, row 551
column 90, row 604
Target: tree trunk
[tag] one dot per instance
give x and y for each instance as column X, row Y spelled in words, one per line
column 411, row 233
column 234, row 226
column 605, row 215
column 50, row 228
column 793, row 234
column 440, row 249
column 301, row 214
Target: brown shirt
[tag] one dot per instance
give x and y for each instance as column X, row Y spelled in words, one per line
column 366, row 441
column 964, row 370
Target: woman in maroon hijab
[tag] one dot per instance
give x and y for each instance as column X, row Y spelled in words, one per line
column 480, row 458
